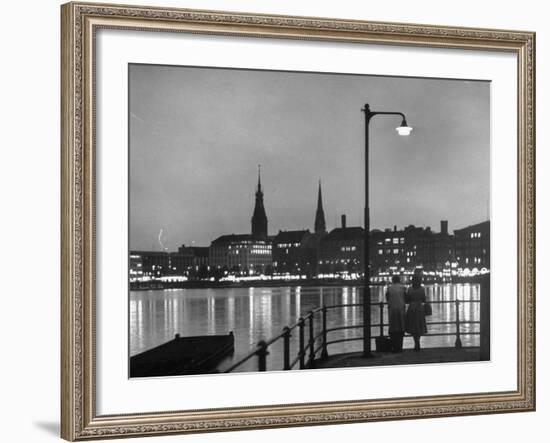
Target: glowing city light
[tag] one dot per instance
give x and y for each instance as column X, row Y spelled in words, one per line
column 404, row 130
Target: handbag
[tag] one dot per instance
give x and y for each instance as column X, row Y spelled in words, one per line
column 383, row 344
column 427, row 309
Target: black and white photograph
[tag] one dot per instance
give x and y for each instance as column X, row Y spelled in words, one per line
column 284, row 220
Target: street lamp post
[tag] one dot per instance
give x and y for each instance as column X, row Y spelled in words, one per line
column 403, row 130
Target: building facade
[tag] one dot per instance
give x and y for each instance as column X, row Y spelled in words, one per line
column 295, row 253
column 136, row 267
column 195, row 260
column 438, row 254
column 472, row 246
column 241, row 254
column 387, row 250
column 156, row 264
column 341, row 251
column 403, row 251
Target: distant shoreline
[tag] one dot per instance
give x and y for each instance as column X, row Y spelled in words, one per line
column 158, row 285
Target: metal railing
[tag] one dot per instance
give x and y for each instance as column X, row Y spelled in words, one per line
column 317, row 344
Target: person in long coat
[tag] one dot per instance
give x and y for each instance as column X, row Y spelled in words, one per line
column 415, row 322
column 395, row 296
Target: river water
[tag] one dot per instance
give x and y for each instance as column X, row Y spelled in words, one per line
column 255, row 314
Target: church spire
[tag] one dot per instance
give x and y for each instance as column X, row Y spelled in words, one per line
column 320, row 225
column 259, row 218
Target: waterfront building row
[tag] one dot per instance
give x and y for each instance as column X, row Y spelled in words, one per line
column 338, row 252
column 306, row 254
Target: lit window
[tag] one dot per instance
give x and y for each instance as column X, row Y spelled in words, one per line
column 395, row 240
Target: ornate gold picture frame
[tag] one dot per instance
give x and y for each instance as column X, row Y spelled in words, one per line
column 80, row 23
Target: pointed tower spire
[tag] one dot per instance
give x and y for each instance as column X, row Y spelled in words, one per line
column 320, row 225
column 259, row 218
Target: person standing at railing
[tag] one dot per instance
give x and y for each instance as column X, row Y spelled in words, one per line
column 415, row 319
column 395, row 296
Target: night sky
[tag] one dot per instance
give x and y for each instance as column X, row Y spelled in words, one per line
column 197, row 136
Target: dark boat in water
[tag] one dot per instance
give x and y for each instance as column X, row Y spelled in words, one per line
column 183, row 356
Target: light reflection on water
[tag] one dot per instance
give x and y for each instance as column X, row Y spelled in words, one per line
column 255, row 314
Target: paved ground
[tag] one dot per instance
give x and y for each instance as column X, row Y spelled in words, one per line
column 406, row 357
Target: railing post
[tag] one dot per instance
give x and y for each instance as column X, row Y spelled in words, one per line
column 301, row 326
column 458, row 341
column 324, row 352
column 286, row 341
column 311, row 341
column 485, row 318
column 381, row 319
column 262, row 355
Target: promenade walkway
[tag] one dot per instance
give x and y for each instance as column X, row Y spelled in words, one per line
column 407, row 357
